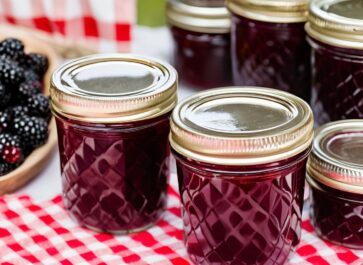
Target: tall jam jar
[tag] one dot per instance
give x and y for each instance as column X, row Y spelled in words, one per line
column 335, row 175
column 112, row 115
column 241, row 154
column 201, row 44
column 335, row 30
column 268, row 45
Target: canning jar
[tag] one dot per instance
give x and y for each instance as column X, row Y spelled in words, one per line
column 241, row 155
column 112, row 115
column 335, row 30
column 335, row 175
column 268, row 45
column 201, row 37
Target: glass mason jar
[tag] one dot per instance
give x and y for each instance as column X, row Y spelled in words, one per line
column 201, row 44
column 268, row 45
column 241, row 154
column 335, row 175
column 335, row 34
column 112, row 114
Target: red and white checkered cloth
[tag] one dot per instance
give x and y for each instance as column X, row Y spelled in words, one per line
column 42, row 233
column 102, row 24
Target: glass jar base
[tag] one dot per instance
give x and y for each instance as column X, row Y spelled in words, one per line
column 121, row 232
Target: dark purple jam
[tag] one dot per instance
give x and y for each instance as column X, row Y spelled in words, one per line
column 114, row 176
column 337, row 215
column 202, row 59
column 337, row 83
column 273, row 55
column 241, row 214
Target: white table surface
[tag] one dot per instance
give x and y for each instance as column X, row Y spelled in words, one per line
column 146, row 41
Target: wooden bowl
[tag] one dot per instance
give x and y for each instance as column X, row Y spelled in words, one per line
column 39, row 158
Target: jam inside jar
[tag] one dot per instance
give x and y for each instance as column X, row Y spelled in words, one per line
column 269, row 47
column 112, row 115
column 201, row 37
column 335, row 175
column 241, row 199
column 337, row 59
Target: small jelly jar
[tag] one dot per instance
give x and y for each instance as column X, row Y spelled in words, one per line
column 335, row 175
column 241, row 156
column 268, row 45
column 112, row 114
column 335, row 29
column 201, row 44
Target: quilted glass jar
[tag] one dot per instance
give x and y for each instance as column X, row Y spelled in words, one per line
column 335, row 175
column 201, row 44
column 112, row 114
column 335, row 30
column 241, row 154
column 268, row 45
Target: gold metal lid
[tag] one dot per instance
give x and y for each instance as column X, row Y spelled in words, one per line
column 198, row 19
column 241, row 126
column 276, row 11
column 205, row 3
column 336, row 22
column 337, row 156
column 113, row 88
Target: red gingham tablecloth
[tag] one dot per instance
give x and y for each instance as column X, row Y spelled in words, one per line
column 42, row 233
column 101, row 24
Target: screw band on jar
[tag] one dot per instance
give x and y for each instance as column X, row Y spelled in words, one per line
column 275, row 11
column 76, row 92
column 338, row 23
column 282, row 127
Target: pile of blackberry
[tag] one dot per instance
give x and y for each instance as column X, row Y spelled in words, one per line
column 24, row 110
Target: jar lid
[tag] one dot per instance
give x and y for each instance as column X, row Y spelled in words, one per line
column 113, row 88
column 241, row 126
column 337, row 157
column 276, row 11
column 337, row 22
column 205, row 3
column 198, row 19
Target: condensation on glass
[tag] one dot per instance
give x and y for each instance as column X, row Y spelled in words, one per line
column 335, row 174
column 335, row 29
column 112, row 114
column 241, row 154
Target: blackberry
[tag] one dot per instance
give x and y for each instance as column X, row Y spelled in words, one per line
column 12, row 48
column 37, row 62
column 28, row 89
column 5, row 168
column 7, row 139
column 30, row 75
column 5, row 96
column 32, row 130
column 5, row 120
column 18, row 111
column 10, row 72
column 39, row 106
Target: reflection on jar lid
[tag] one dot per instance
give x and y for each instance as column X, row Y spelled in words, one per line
column 113, row 87
column 337, row 156
column 197, row 18
column 241, row 126
column 337, row 22
column 276, row 11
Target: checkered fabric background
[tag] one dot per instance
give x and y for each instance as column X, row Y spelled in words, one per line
column 42, row 233
column 102, row 24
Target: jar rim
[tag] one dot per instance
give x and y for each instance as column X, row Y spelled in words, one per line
column 109, row 88
column 241, row 126
column 274, row 11
column 198, row 18
column 328, row 22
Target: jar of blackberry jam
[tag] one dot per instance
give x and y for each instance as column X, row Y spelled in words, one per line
column 201, row 44
column 241, row 155
column 112, row 114
column 335, row 30
column 268, row 45
column 335, row 175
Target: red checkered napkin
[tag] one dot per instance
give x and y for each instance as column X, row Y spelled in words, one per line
column 43, row 233
column 102, row 24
